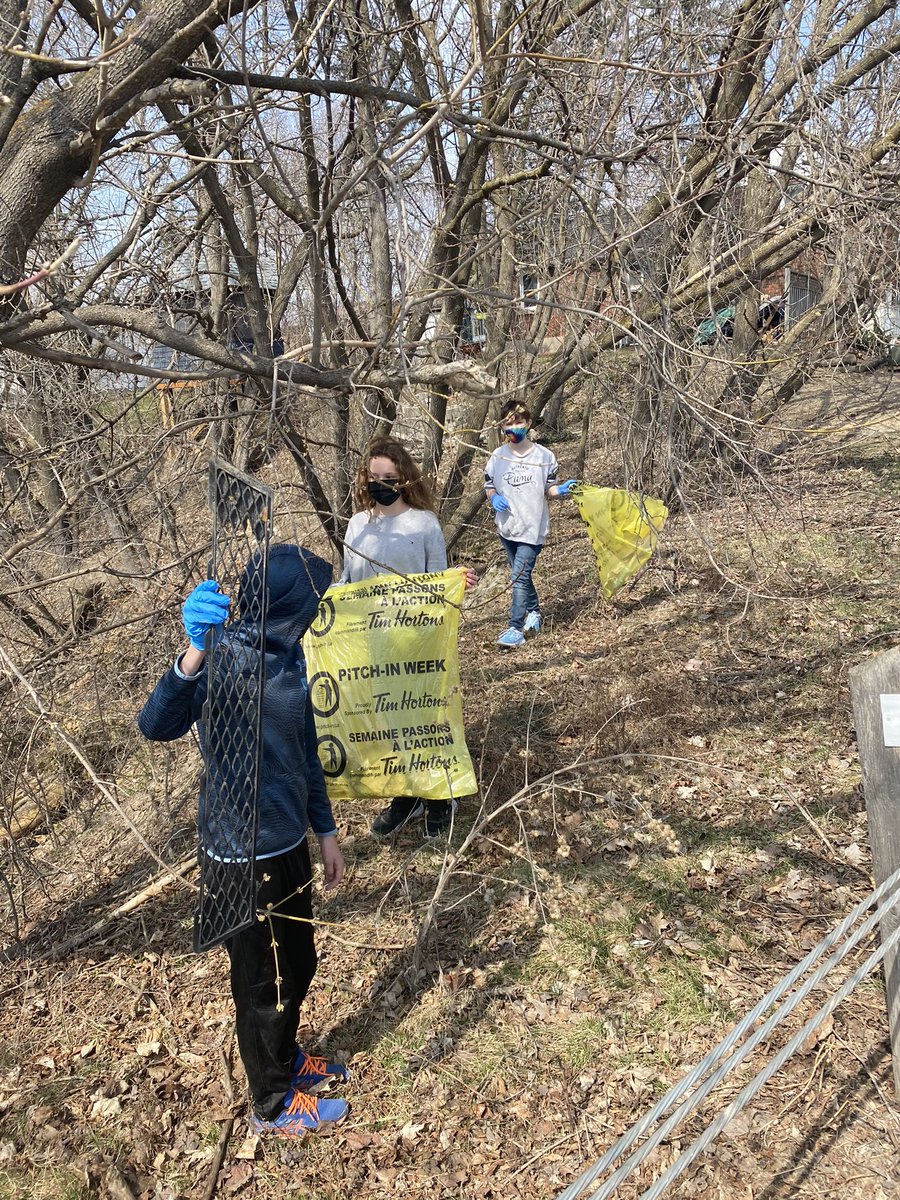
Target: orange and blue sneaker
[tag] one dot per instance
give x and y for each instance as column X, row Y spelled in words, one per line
column 312, row 1074
column 302, row 1114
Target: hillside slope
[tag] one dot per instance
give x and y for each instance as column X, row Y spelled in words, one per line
column 688, row 824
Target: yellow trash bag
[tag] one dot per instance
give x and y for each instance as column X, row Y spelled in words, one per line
column 624, row 528
column 384, row 684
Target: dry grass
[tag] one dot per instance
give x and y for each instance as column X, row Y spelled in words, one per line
column 595, row 939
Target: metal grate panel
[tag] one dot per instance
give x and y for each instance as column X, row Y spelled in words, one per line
column 804, row 293
column 242, row 527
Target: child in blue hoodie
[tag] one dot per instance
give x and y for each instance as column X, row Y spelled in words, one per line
column 267, row 991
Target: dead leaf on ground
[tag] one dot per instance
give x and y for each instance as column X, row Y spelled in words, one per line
column 106, row 1107
column 248, row 1147
column 817, row 1035
column 117, row 1186
column 852, row 854
column 236, row 1177
column 738, row 1127
column 146, row 1049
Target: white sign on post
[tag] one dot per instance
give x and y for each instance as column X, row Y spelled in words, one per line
column 890, row 718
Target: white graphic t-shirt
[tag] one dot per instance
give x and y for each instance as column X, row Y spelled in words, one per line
column 523, row 479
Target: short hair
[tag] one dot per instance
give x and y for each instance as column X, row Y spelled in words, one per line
column 515, row 406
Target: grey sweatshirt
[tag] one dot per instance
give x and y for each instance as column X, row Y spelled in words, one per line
column 410, row 544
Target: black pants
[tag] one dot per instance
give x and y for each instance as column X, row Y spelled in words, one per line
column 266, row 1036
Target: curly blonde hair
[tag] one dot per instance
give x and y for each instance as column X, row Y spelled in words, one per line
column 415, row 489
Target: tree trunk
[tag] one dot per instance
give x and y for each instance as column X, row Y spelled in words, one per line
column 52, row 145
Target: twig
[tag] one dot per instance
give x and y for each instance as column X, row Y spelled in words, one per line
column 157, row 885
column 226, row 1067
column 889, row 1104
column 66, row 738
column 815, row 826
column 327, row 929
column 212, row 1179
column 48, row 269
column 540, row 1154
column 452, row 860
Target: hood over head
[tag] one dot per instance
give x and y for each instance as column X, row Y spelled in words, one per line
column 297, row 581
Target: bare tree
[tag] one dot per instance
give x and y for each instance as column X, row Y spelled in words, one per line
column 278, row 221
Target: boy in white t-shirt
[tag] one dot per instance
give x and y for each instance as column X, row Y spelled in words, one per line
column 518, row 478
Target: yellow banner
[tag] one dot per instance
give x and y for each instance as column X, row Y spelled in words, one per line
column 384, row 683
column 624, row 528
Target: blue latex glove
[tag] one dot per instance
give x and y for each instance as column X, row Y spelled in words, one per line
column 564, row 489
column 498, row 503
column 204, row 608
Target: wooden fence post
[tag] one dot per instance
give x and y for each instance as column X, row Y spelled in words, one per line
column 875, row 692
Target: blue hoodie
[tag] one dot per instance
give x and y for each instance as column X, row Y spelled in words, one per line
column 292, row 794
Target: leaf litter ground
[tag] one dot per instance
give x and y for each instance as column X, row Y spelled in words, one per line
column 597, row 939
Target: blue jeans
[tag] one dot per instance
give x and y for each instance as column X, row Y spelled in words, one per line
column 522, row 558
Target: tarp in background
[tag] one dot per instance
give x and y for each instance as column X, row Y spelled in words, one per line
column 624, row 528
column 384, row 680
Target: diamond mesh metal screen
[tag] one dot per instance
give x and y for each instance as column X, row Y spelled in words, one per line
column 242, row 525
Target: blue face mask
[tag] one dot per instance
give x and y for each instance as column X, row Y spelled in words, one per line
column 516, row 433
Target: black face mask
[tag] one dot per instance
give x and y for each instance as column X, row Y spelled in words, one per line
column 384, row 494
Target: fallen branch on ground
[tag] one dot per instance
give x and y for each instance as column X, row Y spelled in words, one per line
column 153, row 888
